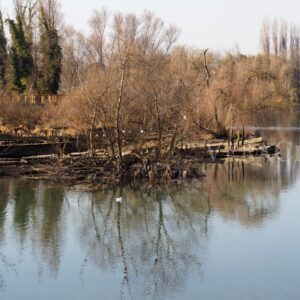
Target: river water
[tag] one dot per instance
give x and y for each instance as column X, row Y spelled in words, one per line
column 233, row 235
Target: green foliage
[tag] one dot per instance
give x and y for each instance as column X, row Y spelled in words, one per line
column 16, row 81
column 20, row 55
column 3, row 53
column 50, row 56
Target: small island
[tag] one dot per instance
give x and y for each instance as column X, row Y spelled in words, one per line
column 126, row 101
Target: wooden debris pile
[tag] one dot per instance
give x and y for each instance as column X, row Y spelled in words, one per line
column 182, row 163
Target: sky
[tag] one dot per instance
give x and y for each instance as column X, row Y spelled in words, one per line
column 216, row 24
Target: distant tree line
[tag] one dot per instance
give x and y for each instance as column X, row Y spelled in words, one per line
column 280, row 40
column 31, row 57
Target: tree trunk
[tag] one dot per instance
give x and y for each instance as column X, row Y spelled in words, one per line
column 158, row 126
column 118, row 114
column 206, row 68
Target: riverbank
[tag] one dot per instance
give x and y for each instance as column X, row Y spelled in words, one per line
column 184, row 161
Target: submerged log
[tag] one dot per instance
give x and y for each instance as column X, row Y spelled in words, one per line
column 10, row 163
column 19, row 150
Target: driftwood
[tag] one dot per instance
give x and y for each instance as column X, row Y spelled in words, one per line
column 174, row 162
column 221, row 148
column 19, row 150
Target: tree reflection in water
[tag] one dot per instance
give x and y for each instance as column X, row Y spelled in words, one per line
column 157, row 237
column 159, row 234
column 147, row 234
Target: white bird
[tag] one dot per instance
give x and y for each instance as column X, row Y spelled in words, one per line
column 119, row 199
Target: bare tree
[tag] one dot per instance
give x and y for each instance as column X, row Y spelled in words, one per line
column 98, row 25
column 275, row 36
column 53, row 13
column 265, row 37
column 283, row 39
column 125, row 29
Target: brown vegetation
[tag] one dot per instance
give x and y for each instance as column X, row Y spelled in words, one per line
column 129, row 81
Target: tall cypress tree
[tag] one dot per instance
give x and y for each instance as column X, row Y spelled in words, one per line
column 3, row 53
column 50, row 56
column 20, row 55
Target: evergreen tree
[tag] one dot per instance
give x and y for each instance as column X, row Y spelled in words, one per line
column 3, row 53
column 20, row 55
column 50, row 56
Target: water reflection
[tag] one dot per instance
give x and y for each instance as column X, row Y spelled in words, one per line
column 24, row 203
column 156, row 237
column 4, row 193
column 248, row 190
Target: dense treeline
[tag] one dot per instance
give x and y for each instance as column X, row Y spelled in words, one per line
column 280, row 40
column 129, row 77
column 31, row 61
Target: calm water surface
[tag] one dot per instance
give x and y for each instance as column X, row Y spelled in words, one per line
column 234, row 235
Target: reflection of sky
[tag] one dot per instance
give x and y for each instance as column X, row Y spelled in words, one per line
column 261, row 263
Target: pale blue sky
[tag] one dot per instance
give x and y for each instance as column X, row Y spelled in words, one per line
column 216, row 24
